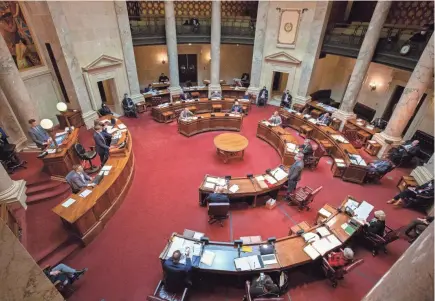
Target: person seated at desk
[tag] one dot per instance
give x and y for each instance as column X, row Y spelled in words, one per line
column 185, row 114
column 405, row 152
column 216, row 94
column 286, row 99
column 149, row 89
column 377, row 224
column 325, row 118
column 163, row 78
column 185, row 96
column 246, row 96
column 101, row 146
column 64, row 274
column 218, row 196
column 416, row 227
column 378, row 168
column 263, row 287
column 262, row 97
column 105, row 110
column 340, row 259
column 275, row 119
column 236, row 108
column 78, row 178
column 129, row 106
column 8, row 152
column 39, row 135
column 306, row 148
column 419, row 196
column 176, row 275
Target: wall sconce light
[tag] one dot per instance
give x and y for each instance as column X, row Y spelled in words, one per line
column 372, row 86
column 163, row 61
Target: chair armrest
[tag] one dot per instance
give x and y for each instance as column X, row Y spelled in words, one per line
column 326, row 264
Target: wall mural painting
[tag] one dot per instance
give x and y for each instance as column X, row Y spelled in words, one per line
column 14, row 29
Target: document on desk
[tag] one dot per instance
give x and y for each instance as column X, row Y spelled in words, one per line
column 85, row 193
column 310, row 237
column 291, row 147
column 207, row 257
column 198, row 235
column 363, row 211
column 279, row 174
column 68, row 203
column 348, row 228
column 311, row 252
column 106, row 168
column 259, row 178
column 234, row 188
column 211, row 180
column 121, row 126
column 352, row 204
column 51, row 151
column 325, row 212
column 323, row 231
column 248, row 263
column 270, row 179
column 209, row 185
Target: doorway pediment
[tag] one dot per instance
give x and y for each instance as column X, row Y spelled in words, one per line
column 103, row 61
column 283, row 58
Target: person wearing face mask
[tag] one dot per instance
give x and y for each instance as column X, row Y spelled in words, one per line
column 286, row 99
column 262, row 97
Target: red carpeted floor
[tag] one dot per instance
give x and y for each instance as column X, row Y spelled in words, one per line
column 123, row 261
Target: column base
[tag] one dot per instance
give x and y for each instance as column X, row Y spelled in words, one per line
column 175, row 90
column 137, row 98
column 422, row 175
column 303, row 100
column 213, row 88
column 254, row 90
column 343, row 116
column 386, row 142
column 16, row 193
column 89, row 117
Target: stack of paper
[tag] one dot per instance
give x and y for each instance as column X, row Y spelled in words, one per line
column 121, row 126
column 326, row 244
column 292, row 148
column 312, row 120
column 260, row 181
column 106, row 168
column 68, row 203
column 323, row 231
column 207, row 257
column 352, row 204
column 279, row 174
column 234, row 188
column 270, row 179
column 311, row 252
column 340, row 162
column 325, row 212
column 251, row 239
column 310, row 237
column 363, row 211
column 247, row 263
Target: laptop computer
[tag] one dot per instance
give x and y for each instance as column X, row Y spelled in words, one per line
column 269, row 259
column 98, row 179
column 267, row 249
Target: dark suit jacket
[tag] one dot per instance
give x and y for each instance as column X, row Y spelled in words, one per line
column 307, row 150
column 376, row 227
column 266, row 93
column 295, row 171
column 176, row 274
column 236, row 108
column 289, row 97
column 324, row 119
column 100, row 143
column 38, row 135
column 414, row 150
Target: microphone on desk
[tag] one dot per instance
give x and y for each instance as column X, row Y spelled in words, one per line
column 238, row 243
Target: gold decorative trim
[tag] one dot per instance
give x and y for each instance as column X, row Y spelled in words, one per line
column 288, row 45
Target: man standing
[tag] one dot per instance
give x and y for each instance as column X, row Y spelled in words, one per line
column 176, row 274
column 262, row 97
column 163, row 78
column 286, row 99
column 38, row 134
column 295, row 172
column 306, row 148
column 101, row 147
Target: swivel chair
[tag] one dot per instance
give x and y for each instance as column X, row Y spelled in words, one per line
column 303, row 196
column 9, row 158
column 217, row 212
column 378, row 242
column 86, row 156
column 335, row 274
column 162, row 294
column 270, row 297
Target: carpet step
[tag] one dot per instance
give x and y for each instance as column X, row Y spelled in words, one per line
column 59, row 254
column 56, row 192
column 37, row 179
column 42, row 187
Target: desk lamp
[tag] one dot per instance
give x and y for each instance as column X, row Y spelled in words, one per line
column 47, row 125
column 62, row 108
column 238, row 244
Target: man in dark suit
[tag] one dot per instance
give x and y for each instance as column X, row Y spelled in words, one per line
column 295, row 172
column 405, row 152
column 236, row 108
column 163, row 78
column 325, row 119
column 101, row 147
column 38, row 134
column 129, row 106
column 176, row 274
column 286, row 99
column 218, row 196
column 306, row 148
column 262, row 97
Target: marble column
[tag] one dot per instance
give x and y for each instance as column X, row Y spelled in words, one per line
column 310, row 58
column 171, row 44
column 215, row 48
column 10, row 124
column 12, row 191
column 61, row 26
column 127, row 49
column 14, row 89
column 257, row 53
column 421, row 78
column 363, row 62
column 425, row 173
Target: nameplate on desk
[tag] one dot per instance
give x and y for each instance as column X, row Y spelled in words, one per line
column 68, row 203
column 106, row 168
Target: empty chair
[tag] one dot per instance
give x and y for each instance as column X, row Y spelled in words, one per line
column 162, row 294
column 217, row 212
column 303, row 196
column 338, row 273
column 86, row 156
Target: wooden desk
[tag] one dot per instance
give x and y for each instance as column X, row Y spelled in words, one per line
column 230, row 146
column 164, row 94
column 60, row 164
column 87, row 217
column 74, row 117
column 203, row 105
column 227, row 92
column 205, row 123
column 351, row 173
column 361, row 125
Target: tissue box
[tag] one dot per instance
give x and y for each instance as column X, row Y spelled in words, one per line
column 271, row 203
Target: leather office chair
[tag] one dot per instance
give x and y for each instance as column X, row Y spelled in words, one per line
column 86, row 156
column 161, row 294
column 376, row 177
column 380, row 242
column 312, row 161
column 303, row 196
column 9, row 158
column 217, row 212
column 338, row 273
column 249, row 298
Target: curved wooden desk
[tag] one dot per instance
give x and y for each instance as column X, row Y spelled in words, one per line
column 230, row 146
column 288, row 250
column 205, row 123
column 201, row 105
column 87, row 216
column 349, row 172
column 253, row 190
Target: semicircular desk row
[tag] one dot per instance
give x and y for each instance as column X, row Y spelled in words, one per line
column 85, row 216
column 210, row 122
column 167, row 112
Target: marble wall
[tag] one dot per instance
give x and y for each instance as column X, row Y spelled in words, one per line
column 235, row 60
column 386, row 79
column 20, row 277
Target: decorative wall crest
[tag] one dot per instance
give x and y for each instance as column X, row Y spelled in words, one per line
column 288, row 27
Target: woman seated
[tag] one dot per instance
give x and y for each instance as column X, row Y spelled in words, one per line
column 275, row 119
column 340, row 259
column 377, row 224
column 415, row 197
column 236, row 108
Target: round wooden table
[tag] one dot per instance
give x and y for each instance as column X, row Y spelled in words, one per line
column 230, row 146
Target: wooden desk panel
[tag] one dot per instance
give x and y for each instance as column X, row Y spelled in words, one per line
column 206, row 123
column 87, row 216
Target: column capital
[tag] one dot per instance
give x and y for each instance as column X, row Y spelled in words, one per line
column 12, row 191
